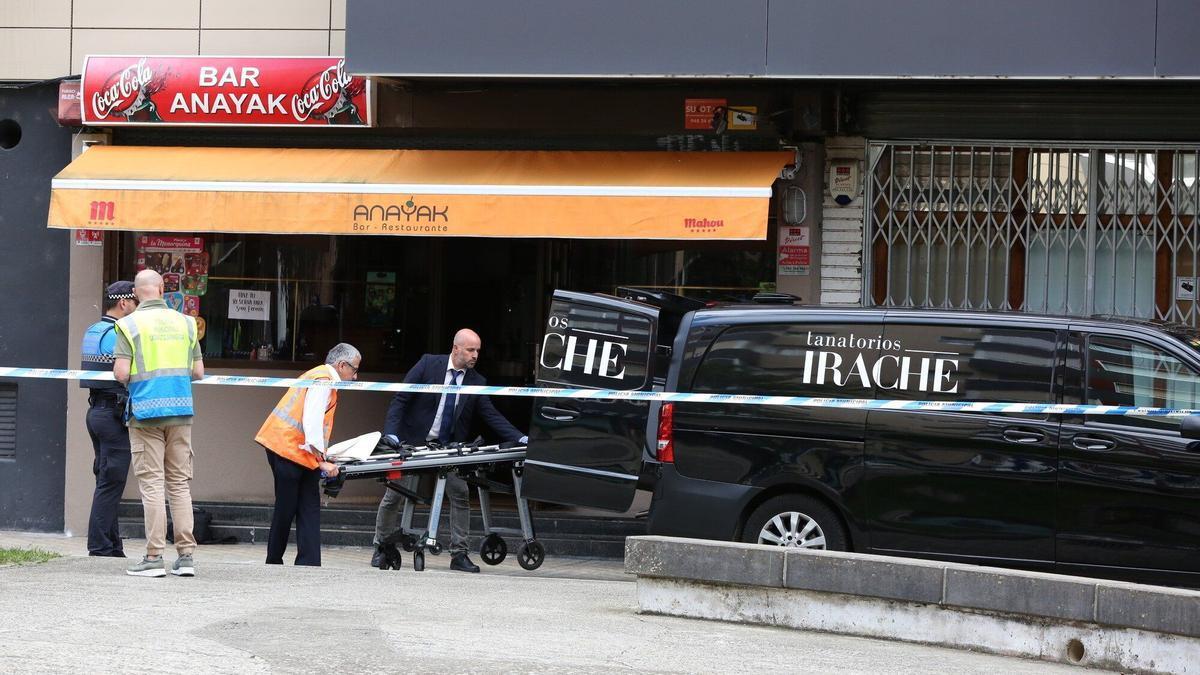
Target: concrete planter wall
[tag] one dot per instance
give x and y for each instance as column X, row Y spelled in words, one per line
column 1104, row 624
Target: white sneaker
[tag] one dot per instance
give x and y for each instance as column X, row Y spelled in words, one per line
column 148, row 568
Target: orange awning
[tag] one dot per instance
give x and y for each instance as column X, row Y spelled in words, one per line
column 477, row 193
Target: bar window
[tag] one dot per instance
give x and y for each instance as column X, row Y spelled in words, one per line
column 284, row 300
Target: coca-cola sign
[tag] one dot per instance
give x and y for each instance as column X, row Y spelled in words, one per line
column 229, row 91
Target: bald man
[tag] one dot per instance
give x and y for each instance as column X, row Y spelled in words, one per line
column 157, row 356
column 418, row 419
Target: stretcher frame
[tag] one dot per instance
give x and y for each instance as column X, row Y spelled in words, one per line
column 472, row 463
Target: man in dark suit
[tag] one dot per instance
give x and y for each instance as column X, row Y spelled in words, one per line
column 418, row 419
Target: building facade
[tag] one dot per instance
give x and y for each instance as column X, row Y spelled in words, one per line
column 51, row 286
column 1014, row 159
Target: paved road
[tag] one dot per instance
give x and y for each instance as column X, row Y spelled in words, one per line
column 79, row 614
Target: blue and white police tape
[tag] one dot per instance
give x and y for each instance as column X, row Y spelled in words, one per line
column 609, row 394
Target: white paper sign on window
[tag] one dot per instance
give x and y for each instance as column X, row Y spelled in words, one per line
column 1185, row 288
column 252, row 305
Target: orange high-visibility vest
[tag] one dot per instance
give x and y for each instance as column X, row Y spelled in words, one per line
column 283, row 432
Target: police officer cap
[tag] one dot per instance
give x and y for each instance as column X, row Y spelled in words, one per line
column 120, row 290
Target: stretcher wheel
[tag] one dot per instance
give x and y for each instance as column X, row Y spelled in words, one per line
column 419, row 561
column 493, row 550
column 531, row 555
column 436, row 549
column 408, row 543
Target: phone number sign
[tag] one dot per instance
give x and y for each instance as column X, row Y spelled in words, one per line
column 698, row 112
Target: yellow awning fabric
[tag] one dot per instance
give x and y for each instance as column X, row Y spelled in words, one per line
column 590, row 195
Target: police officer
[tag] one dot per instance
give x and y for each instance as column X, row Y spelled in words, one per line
column 106, row 405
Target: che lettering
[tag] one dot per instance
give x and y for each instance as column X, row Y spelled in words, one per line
column 208, row 77
column 606, row 365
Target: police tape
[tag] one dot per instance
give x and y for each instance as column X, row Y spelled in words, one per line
column 619, row 394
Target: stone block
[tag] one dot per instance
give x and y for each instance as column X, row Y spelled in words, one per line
column 869, row 575
column 1169, row 610
column 705, row 561
column 1015, row 592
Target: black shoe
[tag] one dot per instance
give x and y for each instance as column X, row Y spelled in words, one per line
column 461, row 563
column 377, row 558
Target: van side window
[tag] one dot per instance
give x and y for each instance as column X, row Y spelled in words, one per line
column 791, row 360
column 968, row 363
column 1124, row 372
column 594, row 348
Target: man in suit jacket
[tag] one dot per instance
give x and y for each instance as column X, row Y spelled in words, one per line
column 418, row 419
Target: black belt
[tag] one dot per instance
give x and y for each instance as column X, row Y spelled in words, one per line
column 98, row 400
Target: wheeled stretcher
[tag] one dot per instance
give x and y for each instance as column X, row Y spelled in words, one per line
column 483, row 467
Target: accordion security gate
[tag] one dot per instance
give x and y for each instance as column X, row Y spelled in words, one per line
column 1055, row 228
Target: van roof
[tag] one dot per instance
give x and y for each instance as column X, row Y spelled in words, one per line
column 754, row 313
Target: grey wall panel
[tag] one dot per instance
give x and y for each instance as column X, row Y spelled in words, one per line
column 962, row 38
column 786, row 38
column 34, row 276
column 1178, row 49
column 557, row 37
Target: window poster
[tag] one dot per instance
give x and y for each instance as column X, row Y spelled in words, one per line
column 174, row 300
column 183, row 264
column 195, row 280
column 381, row 298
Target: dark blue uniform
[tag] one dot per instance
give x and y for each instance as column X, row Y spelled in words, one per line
column 110, row 439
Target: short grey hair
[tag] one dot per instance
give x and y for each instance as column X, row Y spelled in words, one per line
column 342, row 352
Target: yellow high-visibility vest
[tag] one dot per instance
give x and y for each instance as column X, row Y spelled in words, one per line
column 160, row 374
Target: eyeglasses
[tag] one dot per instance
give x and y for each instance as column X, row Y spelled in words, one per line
column 347, row 363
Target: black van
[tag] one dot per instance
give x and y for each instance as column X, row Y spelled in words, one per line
column 1109, row 496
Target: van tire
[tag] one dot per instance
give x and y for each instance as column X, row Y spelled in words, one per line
column 795, row 513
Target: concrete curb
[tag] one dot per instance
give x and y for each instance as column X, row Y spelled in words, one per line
column 1052, row 617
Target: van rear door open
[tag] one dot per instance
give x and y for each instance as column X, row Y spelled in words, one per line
column 588, row 452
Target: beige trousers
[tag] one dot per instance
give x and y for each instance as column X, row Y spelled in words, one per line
column 163, row 456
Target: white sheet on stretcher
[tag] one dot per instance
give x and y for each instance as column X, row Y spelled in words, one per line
column 355, row 448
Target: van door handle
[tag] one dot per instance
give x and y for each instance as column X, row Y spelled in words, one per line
column 1022, row 436
column 558, row 414
column 1093, row 443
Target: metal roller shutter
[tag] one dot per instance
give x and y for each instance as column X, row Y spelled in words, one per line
column 1056, row 111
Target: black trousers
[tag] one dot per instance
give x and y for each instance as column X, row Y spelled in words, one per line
column 110, row 442
column 297, row 497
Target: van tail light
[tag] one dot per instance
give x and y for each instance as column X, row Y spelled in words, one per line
column 666, row 433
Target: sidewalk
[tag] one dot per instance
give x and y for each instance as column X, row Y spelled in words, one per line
column 80, row 614
column 334, row 557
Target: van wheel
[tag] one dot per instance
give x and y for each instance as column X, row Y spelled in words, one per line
column 796, row 522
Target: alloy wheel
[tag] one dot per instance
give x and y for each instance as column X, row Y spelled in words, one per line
column 792, row 529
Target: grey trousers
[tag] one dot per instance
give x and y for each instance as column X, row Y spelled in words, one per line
column 457, row 493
